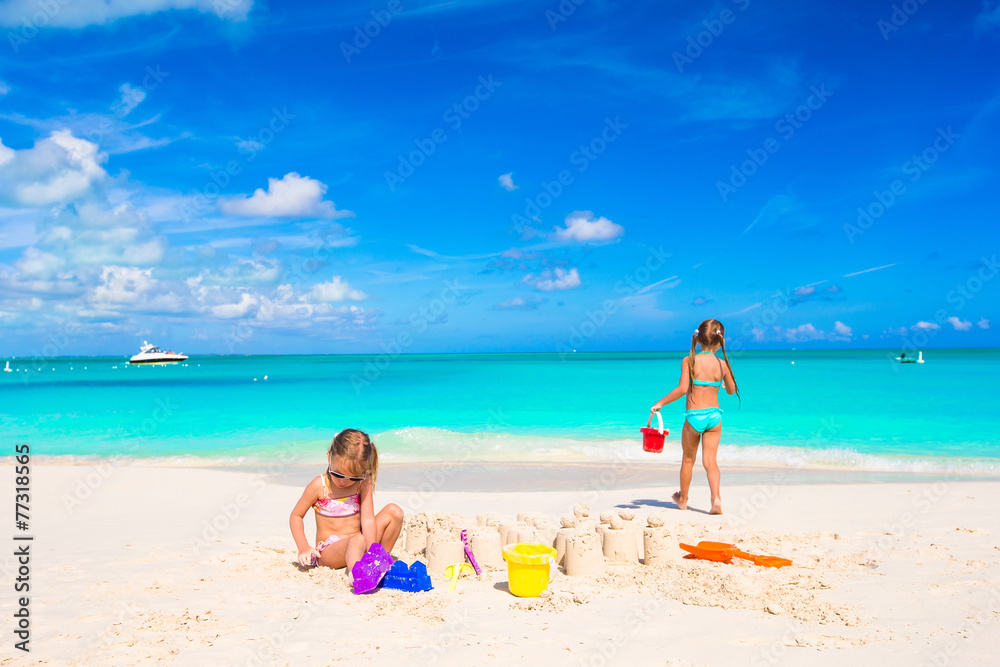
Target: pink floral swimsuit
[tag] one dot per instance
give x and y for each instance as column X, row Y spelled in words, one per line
column 335, row 507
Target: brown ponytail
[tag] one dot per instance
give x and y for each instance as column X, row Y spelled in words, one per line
column 731, row 374
column 694, row 342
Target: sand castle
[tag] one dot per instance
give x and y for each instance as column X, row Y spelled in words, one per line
column 486, row 547
column 584, row 555
column 583, row 545
column 619, row 542
column 567, row 523
column 415, row 530
column 658, row 548
column 443, row 549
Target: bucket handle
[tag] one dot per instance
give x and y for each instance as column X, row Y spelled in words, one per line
column 659, row 419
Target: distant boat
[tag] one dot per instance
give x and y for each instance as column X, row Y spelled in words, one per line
column 903, row 359
column 150, row 354
column 7, row 369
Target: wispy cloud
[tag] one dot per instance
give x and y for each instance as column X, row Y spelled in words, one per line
column 82, row 13
column 520, row 303
column 874, row 268
column 461, row 258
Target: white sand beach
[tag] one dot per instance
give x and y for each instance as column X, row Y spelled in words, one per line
column 140, row 565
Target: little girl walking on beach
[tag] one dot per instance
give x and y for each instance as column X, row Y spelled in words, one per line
column 701, row 376
column 346, row 523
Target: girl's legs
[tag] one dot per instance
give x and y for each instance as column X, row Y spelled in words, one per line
column 709, row 450
column 388, row 524
column 689, row 444
column 348, row 551
column 345, row 552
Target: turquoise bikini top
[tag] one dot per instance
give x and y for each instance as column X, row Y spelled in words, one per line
column 705, row 383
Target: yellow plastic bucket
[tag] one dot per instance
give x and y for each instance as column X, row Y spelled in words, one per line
column 528, row 568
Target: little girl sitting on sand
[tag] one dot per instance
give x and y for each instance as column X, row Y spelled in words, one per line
column 346, row 523
column 703, row 416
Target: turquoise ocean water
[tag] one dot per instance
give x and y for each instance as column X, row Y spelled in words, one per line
column 851, row 409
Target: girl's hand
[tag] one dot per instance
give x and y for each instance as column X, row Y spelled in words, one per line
column 655, row 408
column 308, row 557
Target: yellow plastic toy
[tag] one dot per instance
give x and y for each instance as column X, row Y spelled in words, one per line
column 453, row 572
column 528, row 568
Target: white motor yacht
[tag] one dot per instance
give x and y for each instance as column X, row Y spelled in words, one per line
column 150, row 354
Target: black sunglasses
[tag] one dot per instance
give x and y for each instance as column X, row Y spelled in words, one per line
column 340, row 476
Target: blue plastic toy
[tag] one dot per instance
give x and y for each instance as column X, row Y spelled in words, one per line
column 368, row 572
column 413, row 579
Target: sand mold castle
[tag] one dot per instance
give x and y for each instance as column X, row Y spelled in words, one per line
column 583, row 544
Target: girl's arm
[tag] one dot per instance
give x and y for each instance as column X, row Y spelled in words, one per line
column 295, row 522
column 680, row 390
column 368, row 512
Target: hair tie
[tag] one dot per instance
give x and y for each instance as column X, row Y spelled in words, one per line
column 695, row 332
column 718, row 331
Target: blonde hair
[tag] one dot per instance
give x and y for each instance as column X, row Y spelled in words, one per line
column 355, row 446
column 708, row 334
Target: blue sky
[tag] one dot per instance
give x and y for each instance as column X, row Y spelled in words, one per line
column 233, row 176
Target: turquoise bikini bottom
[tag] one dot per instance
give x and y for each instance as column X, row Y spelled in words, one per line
column 704, row 419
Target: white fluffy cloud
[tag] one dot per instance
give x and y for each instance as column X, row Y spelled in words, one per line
column 229, row 311
column 335, row 290
column 557, row 279
column 507, row 181
column 80, row 13
column 37, row 264
column 925, row 326
column 841, row 331
column 803, row 333
column 582, row 227
column 243, row 272
column 959, row 324
column 292, row 196
column 89, row 233
column 983, row 323
column 4, row 88
column 57, row 169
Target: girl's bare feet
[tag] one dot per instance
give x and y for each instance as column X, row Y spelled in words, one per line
column 682, row 504
column 716, row 506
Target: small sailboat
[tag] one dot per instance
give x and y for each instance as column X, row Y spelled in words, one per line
column 903, row 359
column 7, row 368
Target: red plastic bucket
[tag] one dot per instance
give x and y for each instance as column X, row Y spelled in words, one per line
column 652, row 438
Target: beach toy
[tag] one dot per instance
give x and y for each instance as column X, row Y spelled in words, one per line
column 528, row 568
column 718, row 550
column 716, row 554
column 453, row 572
column 367, row 573
column 763, row 561
column 652, row 438
column 468, row 552
column 412, row 579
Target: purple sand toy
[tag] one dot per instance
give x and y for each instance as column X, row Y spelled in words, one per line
column 468, row 552
column 367, row 573
column 414, row 579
